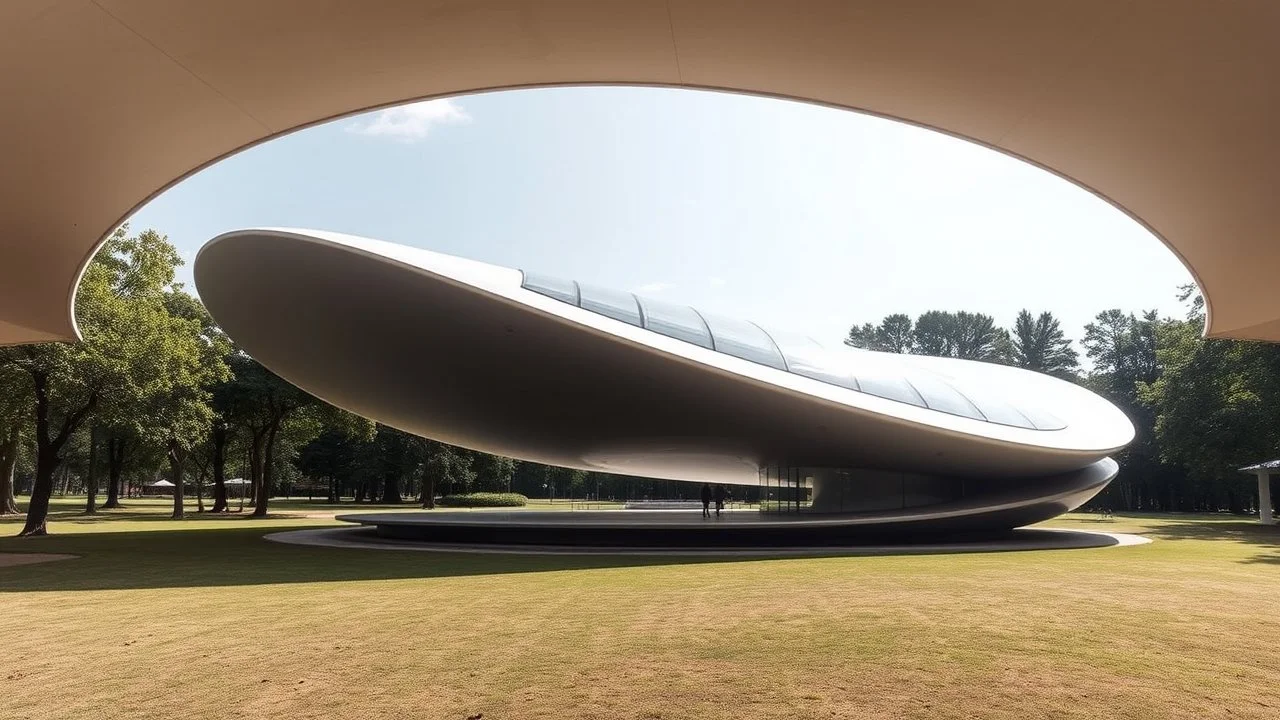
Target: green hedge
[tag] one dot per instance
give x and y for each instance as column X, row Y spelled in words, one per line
column 484, row 499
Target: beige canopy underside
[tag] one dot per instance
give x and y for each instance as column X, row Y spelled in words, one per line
column 1166, row 108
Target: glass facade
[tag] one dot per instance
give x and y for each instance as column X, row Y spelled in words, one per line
column 792, row 489
column 854, row 370
column 783, row 490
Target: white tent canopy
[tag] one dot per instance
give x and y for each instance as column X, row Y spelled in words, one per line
column 160, row 484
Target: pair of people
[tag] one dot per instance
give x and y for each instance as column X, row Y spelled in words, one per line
column 707, row 495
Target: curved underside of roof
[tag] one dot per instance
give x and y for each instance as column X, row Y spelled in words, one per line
column 460, row 351
column 1163, row 107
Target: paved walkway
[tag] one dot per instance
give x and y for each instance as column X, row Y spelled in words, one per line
column 1019, row 540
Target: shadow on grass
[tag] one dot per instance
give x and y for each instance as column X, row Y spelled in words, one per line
column 239, row 556
column 1244, row 531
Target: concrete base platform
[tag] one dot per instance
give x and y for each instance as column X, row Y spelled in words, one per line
column 508, row 538
column 674, row 530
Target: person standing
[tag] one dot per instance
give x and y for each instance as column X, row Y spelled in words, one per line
column 706, row 500
column 720, row 493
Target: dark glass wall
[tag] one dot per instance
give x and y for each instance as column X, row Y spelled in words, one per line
column 791, row 489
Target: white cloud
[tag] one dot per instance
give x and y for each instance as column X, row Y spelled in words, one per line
column 716, row 282
column 653, row 287
column 412, row 122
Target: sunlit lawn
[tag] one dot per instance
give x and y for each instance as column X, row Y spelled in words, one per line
column 203, row 619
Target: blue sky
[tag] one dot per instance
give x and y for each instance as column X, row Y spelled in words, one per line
column 790, row 214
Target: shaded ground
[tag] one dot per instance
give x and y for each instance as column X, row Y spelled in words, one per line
column 13, row 559
column 203, row 619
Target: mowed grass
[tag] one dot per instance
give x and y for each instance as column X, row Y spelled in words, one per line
column 204, row 619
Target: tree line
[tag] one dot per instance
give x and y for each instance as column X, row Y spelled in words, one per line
column 156, row 389
column 1201, row 408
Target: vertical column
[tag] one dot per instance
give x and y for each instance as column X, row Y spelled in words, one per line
column 1264, row 498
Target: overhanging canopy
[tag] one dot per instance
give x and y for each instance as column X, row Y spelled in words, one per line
column 1165, row 108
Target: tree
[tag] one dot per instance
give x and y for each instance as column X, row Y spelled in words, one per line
column 1039, row 344
column 120, row 441
column 1122, row 348
column 397, row 455
column 122, row 341
column 971, row 336
column 180, row 410
column 138, row 371
column 893, row 334
column 565, row 481
column 444, row 465
column 1216, row 407
column 15, row 408
column 493, row 472
column 332, row 456
column 261, row 402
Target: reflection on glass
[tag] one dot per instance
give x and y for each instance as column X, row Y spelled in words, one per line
column 806, row 357
column 610, row 303
column 552, row 287
column 938, row 395
column 889, row 387
column 676, row 321
column 785, row 489
column 820, row 490
column 1042, row 419
column 858, row 370
column 997, row 410
column 745, row 340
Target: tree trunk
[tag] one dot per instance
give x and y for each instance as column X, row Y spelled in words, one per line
column 257, row 438
column 391, row 488
column 177, row 456
column 38, row 509
column 428, row 490
column 267, row 463
column 8, row 462
column 200, row 490
column 333, row 489
column 91, row 476
column 115, row 467
column 48, row 453
column 218, row 438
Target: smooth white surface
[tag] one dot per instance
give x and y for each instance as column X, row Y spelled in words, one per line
column 1092, row 423
column 458, row 351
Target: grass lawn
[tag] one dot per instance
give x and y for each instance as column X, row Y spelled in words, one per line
column 203, row 619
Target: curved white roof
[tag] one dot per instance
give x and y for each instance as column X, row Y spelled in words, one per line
column 335, row 313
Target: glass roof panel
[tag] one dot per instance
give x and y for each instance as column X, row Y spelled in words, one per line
column 552, row 287
column 676, row 321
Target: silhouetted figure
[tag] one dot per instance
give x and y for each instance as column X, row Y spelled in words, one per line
column 706, row 500
column 720, row 493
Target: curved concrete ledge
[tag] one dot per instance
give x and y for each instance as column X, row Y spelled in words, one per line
column 1018, row 540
